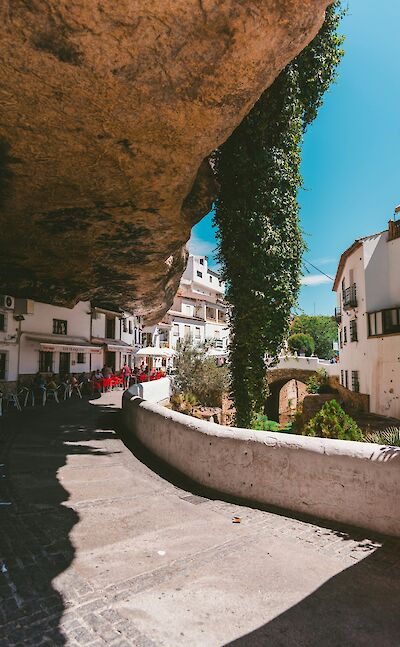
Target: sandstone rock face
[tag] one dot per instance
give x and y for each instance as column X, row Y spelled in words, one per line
column 109, row 111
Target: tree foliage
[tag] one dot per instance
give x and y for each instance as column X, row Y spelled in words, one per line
column 301, row 343
column 198, row 377
column 322, row 329
column 257, row 213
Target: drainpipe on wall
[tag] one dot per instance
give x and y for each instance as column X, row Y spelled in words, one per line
column 20, row 319
column 90, row 337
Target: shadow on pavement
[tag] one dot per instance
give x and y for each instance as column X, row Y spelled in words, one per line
column 34, row 523
column 359, row 607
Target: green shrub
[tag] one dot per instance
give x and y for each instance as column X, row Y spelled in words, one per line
column 260, row 422
column 389, row 436
column 301, row 343
column 198, row 375
column 313, row 384
column 319, row 383
column 332, row 422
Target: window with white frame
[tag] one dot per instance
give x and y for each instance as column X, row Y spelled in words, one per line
column 175, row 330
column 60, row 326
column 187, row 332
column 81, row 358
column 201, row 261
column 45, row 361
column 199, row 274
column 197, row 332
column 353, row 330
column 355, row 381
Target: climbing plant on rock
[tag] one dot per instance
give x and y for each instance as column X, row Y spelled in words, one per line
column 260, row 243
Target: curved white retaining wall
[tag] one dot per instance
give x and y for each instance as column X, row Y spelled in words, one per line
column 153, row 391
column 343, row 481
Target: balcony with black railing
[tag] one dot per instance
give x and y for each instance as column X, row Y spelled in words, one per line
column 349, row 297
column 394, row 229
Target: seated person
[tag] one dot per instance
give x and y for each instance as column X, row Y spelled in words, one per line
column 107, row 371
column 39, row 386
column 73, row 380
column 39, row 382
column 51, row 382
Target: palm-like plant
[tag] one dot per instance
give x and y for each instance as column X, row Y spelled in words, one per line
column 389, row 436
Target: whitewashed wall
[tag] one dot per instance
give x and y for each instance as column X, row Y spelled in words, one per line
column 341, row 481
column 376, row 272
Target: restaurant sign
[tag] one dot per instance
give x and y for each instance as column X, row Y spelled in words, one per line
column 70, row 348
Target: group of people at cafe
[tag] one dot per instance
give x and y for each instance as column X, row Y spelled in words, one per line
column 105, row 379
column 98, row 381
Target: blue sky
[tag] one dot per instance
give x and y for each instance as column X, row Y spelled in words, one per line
column 351, row 153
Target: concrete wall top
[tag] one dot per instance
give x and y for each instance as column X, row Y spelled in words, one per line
column 305, row 363
column 154, row 391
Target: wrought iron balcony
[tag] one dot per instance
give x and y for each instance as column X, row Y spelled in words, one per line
column 394, row 229
column 338, row 315
column 349, row 297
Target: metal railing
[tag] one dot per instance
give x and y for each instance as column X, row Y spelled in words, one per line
column 349, row 297
column 394, row 229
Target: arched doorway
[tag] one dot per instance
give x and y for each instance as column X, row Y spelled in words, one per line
column 285, row 396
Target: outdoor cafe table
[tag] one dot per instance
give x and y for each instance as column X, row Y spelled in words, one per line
column 106, row 383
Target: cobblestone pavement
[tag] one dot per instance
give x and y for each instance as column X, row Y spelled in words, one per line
column 100, row 545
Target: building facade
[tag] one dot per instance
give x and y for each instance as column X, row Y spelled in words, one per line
column 367, row 285
column 199, row 311
column 37, row 336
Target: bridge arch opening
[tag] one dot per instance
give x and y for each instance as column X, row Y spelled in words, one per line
column 284, row 398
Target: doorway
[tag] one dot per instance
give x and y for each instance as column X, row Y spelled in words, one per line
column 65, row 364
column 110, row 359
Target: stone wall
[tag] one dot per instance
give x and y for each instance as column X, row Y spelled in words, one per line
column 351, row 400
column 313, row 402
column 341, row 481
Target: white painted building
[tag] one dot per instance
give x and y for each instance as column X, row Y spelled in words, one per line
column 367, row 285
column 37, row 336
column 199, row 311
column 119, row 334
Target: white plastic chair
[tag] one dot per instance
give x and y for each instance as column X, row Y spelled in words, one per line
column 76, row 388
column 53, row 393
column 67, row 390
column 11, row 398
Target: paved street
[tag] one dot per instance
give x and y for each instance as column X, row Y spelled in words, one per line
column 101, row 545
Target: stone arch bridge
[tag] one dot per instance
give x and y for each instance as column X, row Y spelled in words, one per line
column 290, row 368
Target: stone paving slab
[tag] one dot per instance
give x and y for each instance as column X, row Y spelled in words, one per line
column 100, row 546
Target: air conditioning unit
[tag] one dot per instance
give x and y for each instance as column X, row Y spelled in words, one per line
column 24, row 306
column 7, row 302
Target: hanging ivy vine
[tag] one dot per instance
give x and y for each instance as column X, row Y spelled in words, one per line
column 260, row 243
